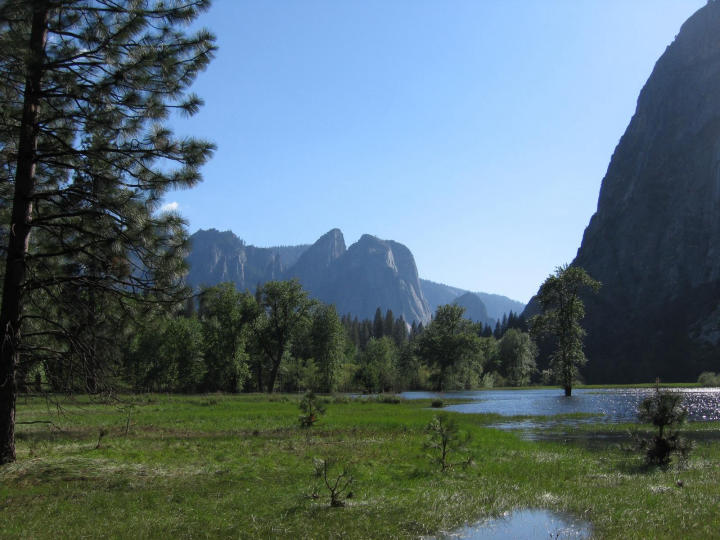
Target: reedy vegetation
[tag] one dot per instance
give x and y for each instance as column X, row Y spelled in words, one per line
column 240, row 466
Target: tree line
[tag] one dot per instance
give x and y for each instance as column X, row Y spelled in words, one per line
column 279, row 339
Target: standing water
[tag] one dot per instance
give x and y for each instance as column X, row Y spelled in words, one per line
column 614, row 404
column 527, row 524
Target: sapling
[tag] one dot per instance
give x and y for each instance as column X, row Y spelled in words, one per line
column 664, row 410
column 312, row 408
column 445, row 438
column 338, row 485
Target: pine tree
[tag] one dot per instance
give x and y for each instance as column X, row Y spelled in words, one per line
column 413, row 330
column 504, row 324
column 85, row 86
column 378, row 324
column 366, row 333
column 400, row 332
column 388, row 323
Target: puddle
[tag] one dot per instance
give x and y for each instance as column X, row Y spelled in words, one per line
column 526, row 524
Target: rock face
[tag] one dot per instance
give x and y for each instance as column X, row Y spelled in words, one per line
column 314, row 267
column 654, row 241
column 221, row 256
column 369, row 274
column 372, row 273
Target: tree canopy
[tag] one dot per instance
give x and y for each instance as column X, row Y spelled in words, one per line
column 563, row 309
column 447, row 341
column 86, row 88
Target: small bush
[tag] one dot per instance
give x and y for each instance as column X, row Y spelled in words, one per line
column 444, row 439
column 437, row 404
column 709, row 378
column 664, row 410
column 338, row 485
column 312, row 408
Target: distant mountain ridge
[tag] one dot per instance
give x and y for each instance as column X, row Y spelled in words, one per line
column 496, row 305
column 369, row 274
column 358, row 279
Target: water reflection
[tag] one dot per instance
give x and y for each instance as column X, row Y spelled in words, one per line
column 614, row 404
column 526, row 524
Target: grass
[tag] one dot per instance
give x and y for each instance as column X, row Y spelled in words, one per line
column 240, row 466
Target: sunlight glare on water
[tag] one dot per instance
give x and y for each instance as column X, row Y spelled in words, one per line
column 615, row 404
column 526, row 524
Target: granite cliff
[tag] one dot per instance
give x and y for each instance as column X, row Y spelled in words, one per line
column 654, row 241
column 221, row 256
column 372, row 273
column 358, row 279
column 369, row 274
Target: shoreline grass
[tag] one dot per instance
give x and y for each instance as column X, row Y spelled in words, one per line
column 240, row 466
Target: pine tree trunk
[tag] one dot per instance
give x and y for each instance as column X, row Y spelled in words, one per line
column 15, row 265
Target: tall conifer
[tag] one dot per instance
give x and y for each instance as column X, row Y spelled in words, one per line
column 85, row 159
column 378, row 325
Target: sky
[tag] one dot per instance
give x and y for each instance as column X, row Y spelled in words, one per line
column 475, row 132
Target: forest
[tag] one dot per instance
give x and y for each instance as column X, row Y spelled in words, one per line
column 280, row 340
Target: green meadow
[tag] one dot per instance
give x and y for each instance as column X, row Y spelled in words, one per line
column 241, row 466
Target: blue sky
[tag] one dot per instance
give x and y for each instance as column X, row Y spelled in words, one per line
column 475, row 132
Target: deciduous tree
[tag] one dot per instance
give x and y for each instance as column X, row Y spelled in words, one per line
column 285, row 306
column 563, row 309
column 227, row 317
column 517, row 353
column 447, row 341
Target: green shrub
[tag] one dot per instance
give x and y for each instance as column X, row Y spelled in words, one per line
column 312, row 408
column 709, row 378
column 663, row 410
column 445, row 438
